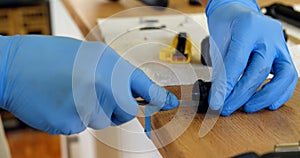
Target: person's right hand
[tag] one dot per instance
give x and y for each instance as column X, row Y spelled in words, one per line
column 251, row 45
column 61, row 85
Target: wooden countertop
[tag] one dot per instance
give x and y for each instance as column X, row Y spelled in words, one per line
column 232, row 135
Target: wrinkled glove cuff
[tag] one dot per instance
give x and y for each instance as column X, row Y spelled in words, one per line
column 5, row 45
column 214, row 4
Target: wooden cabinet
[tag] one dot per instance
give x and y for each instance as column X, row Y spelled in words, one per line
column 31, row 17
column 22, row 17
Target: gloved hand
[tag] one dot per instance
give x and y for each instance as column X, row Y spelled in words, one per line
column 250, row 46
column 52, row 84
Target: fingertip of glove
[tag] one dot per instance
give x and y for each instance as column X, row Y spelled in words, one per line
column 226, row 113
column 274, row 107
column 117, row 121
column 250, row 109
column 215, row 104
column 171, row 102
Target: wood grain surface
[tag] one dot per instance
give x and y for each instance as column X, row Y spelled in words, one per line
column 238, row 133
column 30, row 143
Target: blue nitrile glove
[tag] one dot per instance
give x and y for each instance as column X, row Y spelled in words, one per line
column 251, row 46
column 42, row 77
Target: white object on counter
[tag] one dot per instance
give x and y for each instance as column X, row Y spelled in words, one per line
column 142, row 47
column 295, row 54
